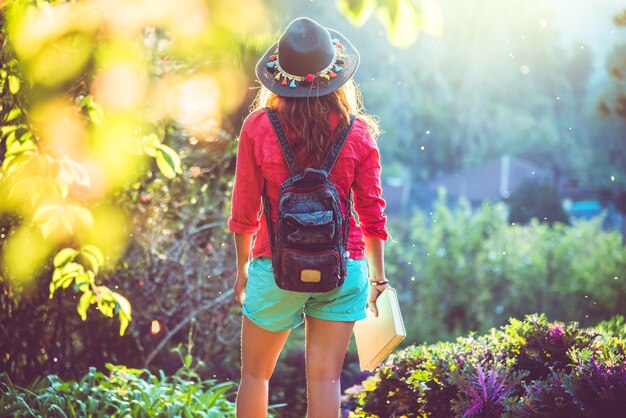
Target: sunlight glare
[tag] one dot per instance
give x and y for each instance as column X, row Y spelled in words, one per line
column 119, row 87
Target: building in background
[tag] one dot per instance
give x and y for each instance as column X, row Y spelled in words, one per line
column 496, row 180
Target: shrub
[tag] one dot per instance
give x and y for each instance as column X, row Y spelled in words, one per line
column 124, row 392
column 526, row 368
column 460, row 269
column 540, row 201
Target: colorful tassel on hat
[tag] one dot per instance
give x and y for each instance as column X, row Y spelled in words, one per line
column 271, row 64
column 325, row 76
column 338, row 68
column 292, row 85
column 284, row 83
column 277, row 78
column 332, row 74
column 273, row 57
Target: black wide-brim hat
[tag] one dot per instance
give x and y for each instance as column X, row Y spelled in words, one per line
column 307, row 61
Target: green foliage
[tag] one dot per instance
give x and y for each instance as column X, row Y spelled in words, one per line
column 83, row 276
column 467, row 269
column 610, row 157
column 176, row 271
column 26, row 166
column 403, row 19
column 526, row 368
column 540, row 201
column 121, row 392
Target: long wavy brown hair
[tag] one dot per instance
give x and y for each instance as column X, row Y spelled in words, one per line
column 306, row 118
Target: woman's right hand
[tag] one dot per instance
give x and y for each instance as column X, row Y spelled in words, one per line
column 372, row 296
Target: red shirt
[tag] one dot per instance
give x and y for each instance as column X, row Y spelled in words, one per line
column 259, row 160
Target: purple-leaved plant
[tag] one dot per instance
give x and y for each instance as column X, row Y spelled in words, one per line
column 483, row 392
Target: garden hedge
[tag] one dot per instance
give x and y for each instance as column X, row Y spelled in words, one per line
column 529, row 368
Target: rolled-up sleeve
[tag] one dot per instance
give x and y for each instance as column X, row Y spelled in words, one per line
column 247, row 189
column 368, row 201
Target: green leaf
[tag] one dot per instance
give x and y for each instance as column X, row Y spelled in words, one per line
column 63, row 276
column 106, row 307
column 14, row 162
column 150, row 150
column 14, row 84
column 64, row 256
column 26, row 135
column 53, row 282
column 124, row 312
column 81, row 214
column 95, row 251
column 91, row 260
column 45, row 211
column 356, row 11
column 15, row 147
column 402, row 21
column 72, row 172
column 72, row 268
column 84, row 282
column 68, row 279
column 168, row 161
column 151, row 143
column 218, row 390
column 49, row 226
column 96, row 114
column 13, row 113
column 4, row 130
column 64, row 188
column 84, row 303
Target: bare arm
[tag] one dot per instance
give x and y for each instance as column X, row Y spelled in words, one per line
column 243, row 243
column 375, row 253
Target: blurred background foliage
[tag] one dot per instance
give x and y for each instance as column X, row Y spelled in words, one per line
column 462, row 269
column 118, row 122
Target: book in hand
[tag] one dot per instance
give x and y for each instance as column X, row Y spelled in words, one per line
column 377, row 336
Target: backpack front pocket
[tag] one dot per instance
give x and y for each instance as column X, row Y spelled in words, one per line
column 310, row 271
column 309, row 228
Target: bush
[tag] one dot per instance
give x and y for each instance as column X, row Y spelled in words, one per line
column 124, row 392
column 461, row 269
column 175, row 270
column 539, row 201
column 526, row 368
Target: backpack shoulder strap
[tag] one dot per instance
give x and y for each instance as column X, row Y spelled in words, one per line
column 290, row 158
column 335, row 149
column 329, row 162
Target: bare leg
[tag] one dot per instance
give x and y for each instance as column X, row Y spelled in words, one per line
column 259, row 352
column 326, row 344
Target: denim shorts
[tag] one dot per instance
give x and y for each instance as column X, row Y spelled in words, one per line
column 275, row 309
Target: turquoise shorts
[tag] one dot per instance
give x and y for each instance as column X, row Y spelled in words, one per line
column 275, row 309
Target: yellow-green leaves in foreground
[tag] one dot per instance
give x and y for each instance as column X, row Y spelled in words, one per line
column 80, row 267
column 403, row 19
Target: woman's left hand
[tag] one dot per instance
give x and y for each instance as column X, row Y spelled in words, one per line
column 239, row 287
column 374, row 292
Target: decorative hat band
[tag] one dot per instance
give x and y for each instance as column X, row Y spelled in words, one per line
column 294, row 81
